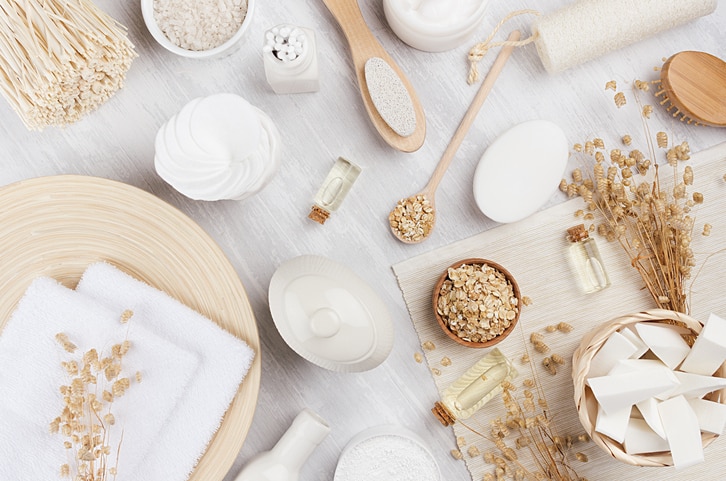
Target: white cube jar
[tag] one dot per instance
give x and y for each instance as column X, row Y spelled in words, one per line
column 434, row 25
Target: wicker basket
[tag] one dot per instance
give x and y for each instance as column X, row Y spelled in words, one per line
column 586, row 402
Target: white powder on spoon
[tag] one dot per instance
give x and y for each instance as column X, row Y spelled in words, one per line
column 199, row 24
column 387, row 457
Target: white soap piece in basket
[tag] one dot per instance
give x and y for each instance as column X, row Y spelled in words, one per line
column 616, row 348
column 613, row 424
column 711, row 415
column 629, row 365
column 709, row 350
column 640, row 438
column 683, row 432
column 649, row 410
column 636, row 340
column 618, row 391
column 665, row 343
column 695, row 385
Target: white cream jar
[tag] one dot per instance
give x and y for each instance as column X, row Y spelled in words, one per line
column 434, row 25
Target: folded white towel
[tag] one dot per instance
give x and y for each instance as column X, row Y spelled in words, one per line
column 224, row 362
column 31, row 375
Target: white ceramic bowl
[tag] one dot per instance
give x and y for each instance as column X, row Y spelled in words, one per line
column 387, row 450
column 431, row 35
column 147, row 11
column 329, row 315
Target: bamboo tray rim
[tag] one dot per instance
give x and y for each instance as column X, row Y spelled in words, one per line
column 57, row 225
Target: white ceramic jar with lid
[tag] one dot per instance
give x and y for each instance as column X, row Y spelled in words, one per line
column 434, row 25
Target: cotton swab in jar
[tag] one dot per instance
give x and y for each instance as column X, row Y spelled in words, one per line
column 285, row 42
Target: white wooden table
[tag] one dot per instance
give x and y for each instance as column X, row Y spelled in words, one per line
column 258, row 234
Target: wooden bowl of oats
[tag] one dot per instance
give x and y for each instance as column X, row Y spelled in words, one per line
column 476, row 302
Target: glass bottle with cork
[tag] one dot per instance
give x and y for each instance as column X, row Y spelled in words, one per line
column 335, row 187
column 586, row 261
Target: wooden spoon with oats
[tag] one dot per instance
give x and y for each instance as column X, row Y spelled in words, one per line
column 413, row 218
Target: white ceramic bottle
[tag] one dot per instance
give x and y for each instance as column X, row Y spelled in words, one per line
column 284, row 461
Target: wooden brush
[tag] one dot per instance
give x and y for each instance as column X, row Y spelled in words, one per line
column 693, row 87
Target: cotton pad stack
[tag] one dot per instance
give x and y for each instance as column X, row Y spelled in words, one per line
column 587, row 29
column 654, row 393
column 218, row 147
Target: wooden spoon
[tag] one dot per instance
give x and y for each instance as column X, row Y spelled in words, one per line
column 694, row 87
column 364, row 46
column 413, row 218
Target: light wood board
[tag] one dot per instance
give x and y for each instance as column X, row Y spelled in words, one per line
column 56, row 226
column 534, row 251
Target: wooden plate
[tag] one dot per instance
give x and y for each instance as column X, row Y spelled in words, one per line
column 56, row 226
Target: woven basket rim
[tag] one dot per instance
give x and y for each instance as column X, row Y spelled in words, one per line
column 584, row 398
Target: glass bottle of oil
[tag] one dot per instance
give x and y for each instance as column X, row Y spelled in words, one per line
column 475, row 388
column 586, row 261
column 334, row 189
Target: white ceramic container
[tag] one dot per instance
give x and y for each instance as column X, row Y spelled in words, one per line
column 329, row 315
column 228, row 47
column 434, row 25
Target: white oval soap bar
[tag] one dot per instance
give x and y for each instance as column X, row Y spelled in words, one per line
column 520, row 170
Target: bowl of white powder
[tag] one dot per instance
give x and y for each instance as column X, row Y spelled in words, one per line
column 198, row 28
column 386, row 453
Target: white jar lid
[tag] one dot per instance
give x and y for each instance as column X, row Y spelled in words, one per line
column 329, row 315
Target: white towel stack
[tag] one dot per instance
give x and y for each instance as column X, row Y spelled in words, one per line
column 191, row 370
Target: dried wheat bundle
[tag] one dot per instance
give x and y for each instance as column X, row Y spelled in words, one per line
column 59, row 59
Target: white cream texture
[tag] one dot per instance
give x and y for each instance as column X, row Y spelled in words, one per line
column 439, row 13
column 218, row 147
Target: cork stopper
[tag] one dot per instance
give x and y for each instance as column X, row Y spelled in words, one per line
column 577, row 233
column 443, row 414
column 318, row 214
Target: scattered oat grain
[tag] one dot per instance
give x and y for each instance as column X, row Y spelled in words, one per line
column 428, row 345
column 564, row 327
column 473, row 451
column 698, row 198
column 706, row 230
column 620, row 99
column 611, row 85
column 417, row 357
column 526, row 300
column 627, row 139
column 445, row 361
column 460, row 441
column 436, row 371
column 541, row 347
column 456, row 454
column 524, row 359
column 662, row 139
column 550, row 328
column 549, row 365
column 581, row 457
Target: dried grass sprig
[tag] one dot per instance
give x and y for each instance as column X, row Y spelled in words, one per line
column 86, row 420
column 527, row 442
column 651, row 219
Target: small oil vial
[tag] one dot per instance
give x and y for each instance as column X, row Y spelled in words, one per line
column 586, row 260
column 474, row 388
column 291, row 60
column 334, row 189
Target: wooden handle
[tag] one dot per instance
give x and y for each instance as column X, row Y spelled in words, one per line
column 471, row 114
column 363, row 46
